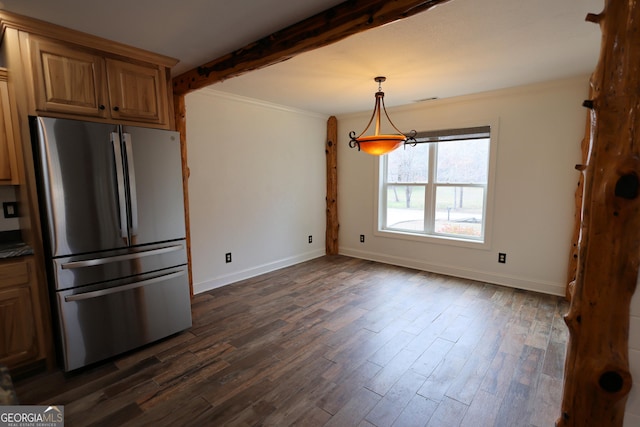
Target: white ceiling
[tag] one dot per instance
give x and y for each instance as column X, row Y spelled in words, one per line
column 457, row 48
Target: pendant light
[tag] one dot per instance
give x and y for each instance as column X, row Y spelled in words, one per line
column 378, row 144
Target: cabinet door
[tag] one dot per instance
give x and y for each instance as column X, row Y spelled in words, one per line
column 18, row 331
column 18, row 341
column 68, row 79
column 137, row 92
column 8, row 163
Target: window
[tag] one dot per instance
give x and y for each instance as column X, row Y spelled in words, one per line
column 439, row 187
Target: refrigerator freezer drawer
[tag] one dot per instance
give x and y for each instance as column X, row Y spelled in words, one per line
column 99, row 322
column 81, row 270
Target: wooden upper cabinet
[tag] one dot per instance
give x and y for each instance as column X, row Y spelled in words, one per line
column 73, row 80
column 136, row 92
column 8, row 161
column 68, row 80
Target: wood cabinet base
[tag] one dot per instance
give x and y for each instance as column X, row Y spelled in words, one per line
column 21, row 325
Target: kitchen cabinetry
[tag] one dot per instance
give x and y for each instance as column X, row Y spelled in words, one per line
column 21, row 330
column 8, row 161
column 70, row 79
column 136, row 92
column 58, row 72
column 67, row 80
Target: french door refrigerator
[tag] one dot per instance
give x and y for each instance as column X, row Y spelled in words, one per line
column 113, row 220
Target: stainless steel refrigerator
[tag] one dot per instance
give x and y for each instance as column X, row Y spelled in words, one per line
column 113, row 220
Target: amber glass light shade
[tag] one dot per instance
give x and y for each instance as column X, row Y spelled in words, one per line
column 378, row 145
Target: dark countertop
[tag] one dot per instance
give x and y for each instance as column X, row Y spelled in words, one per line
column 11, row 245
column 14, row 250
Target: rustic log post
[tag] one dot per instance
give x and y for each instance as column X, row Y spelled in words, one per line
column 331, row 149
column 573, row 254
column 597, row 380
column 180, row 113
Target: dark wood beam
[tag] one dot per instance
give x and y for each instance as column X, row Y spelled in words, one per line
column 334, row 24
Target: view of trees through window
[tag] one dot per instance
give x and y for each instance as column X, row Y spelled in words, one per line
column 437, row 188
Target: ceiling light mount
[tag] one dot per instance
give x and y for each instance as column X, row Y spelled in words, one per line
column 378, row 144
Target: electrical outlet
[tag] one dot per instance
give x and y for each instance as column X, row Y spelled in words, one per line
column 310, row 239
column 362, row 238
column 10, row 209
column 227, row 257
column 502, row 258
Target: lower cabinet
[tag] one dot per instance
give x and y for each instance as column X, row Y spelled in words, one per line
column 21, row 332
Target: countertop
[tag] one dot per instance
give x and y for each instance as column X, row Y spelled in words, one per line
column 11, row 245
column 14, row 250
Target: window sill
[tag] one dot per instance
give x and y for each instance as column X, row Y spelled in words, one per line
column 436, row 240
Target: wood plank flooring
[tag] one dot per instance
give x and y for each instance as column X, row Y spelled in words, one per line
column 335, row 341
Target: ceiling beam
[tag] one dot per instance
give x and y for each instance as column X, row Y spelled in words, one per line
column 332, row 25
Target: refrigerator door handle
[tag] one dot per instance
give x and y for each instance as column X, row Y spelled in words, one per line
column 132, row 183
column 103, row 292
column 100, row 261
column 122, row 200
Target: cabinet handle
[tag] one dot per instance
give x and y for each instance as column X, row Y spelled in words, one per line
column 102, row 107
column 116, row 108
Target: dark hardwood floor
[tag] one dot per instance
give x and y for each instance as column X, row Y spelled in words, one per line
column 335, row 341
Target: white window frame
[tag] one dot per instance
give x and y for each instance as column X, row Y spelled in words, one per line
column 423, row 236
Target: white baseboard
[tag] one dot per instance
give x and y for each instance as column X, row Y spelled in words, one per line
column 237, row 276
column 462, row 272
column 455, row 271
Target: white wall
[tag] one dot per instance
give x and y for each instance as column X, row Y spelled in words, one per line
column 632, row 416
column 257, row 186
column 540, row 131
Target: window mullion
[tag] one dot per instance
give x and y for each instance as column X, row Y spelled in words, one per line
column 382, row 210
column 429, row 193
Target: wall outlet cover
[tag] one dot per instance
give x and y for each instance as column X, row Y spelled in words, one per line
column 10, row 209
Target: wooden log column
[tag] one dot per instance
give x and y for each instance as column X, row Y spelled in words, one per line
column 180, row 112
column 573, row 254
column 331, row 149
column 597, row 380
